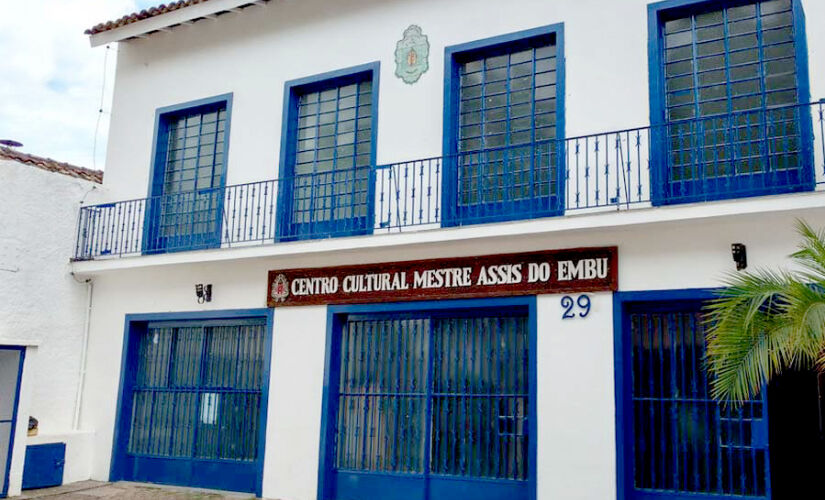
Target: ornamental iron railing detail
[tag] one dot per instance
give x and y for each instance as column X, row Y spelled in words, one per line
column 741, row 154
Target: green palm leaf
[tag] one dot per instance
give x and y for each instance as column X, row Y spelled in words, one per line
column 765, row 321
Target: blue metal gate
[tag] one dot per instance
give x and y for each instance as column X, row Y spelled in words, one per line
column 192, row 404
column 431, row 406
column 679, row 443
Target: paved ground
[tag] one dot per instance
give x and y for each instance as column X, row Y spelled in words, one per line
column 94, row 490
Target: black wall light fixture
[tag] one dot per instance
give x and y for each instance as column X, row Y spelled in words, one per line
column 203, row 293
column 740, row 255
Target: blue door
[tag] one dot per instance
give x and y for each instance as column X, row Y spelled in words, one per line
column 192, row 409
column 679, row 443
column 44, row 465
column 328, row 186
column 505, row 161
column 11, row 372
column 735, row 101
column 431, row 406
column 186, row 207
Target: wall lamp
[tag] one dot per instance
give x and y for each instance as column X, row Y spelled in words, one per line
column 740, row 255
column 203, row 293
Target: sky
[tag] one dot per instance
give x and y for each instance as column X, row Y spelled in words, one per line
column 51, row 80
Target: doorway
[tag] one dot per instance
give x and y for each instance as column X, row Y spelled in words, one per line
column 193, row 407
column 797, row 433
column 11, row 371
column 677, row 441
column 431, row 402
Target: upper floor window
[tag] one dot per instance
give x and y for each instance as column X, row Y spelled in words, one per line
column 188, row 176
column 507, row 97
column 732, row 79
column 504, row 115
column 329, row 154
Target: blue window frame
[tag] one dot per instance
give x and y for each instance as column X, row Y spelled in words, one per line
column 729, row 85
column 430, row 400
column 674, row 441
column 186, row 190
column 327, row 177
column 504, row 127
column 193, row 399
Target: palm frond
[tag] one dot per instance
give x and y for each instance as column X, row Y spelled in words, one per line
column 811, row 253
column 766, row 320
column 745, row 346
column 805, row 313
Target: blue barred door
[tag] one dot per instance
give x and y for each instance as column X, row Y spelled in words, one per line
column 191, row 409
column 679, row 442
column 431, row 406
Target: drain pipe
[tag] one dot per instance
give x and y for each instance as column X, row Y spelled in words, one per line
column 82, row 373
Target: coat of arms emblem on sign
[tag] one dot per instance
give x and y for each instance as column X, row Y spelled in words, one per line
column 412, row 55
column 280, row 288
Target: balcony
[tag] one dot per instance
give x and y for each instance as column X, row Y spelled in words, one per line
column 744, row 154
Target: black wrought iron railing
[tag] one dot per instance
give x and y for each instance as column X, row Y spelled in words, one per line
column 742, row 154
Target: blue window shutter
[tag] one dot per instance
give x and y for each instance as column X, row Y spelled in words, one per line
column 504, row 128
column 327, row 177
column 188, row 176
column 728, row 89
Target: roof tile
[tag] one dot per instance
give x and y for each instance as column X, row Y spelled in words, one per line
column 143, row 14
column 59, row 167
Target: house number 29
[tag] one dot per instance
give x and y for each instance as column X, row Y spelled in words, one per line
column 572, row 308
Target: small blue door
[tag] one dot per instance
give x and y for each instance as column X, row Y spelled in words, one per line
column 11, row 372
column 192, row 412
column 431, row 406
column 44, row 465
column 680, row 443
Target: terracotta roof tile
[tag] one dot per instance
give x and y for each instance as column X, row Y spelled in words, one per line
column 143, row 14
column 86, row 174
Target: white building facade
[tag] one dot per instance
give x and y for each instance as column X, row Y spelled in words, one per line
column 265, row 150
column 42, row 362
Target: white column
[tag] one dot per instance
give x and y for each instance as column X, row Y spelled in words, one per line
column 576, row 455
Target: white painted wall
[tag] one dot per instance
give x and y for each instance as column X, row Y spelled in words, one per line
column 252, row 54
column 575, row 373
column 39, row 299
column 295, row 390
column 576, row 409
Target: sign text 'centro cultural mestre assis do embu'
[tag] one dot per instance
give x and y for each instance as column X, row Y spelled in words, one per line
column 554, row 271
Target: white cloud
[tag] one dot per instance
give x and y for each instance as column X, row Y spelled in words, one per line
column 50, row 78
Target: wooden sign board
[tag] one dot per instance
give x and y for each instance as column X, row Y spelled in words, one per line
column 554, row 271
